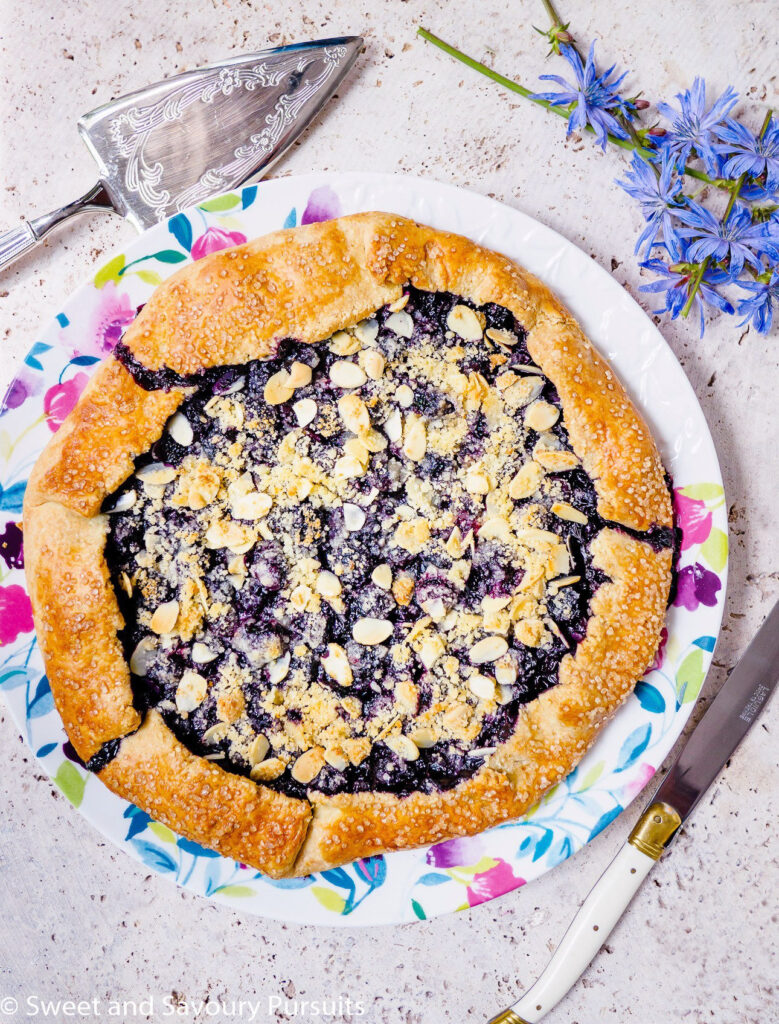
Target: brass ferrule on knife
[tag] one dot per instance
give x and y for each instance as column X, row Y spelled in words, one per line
column 654, row 829
column 507, row 1017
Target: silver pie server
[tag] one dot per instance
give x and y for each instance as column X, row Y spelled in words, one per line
column 172, row 144
column 730, row 716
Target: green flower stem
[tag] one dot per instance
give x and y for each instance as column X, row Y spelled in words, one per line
column 735, row 189
column 509, row 83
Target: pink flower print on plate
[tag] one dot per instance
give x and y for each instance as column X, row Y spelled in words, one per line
column 215, row 239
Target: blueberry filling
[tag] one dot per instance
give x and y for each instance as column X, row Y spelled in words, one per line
column 349, row 566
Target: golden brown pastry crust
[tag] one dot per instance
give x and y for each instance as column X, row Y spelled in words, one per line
column 234, row 306
column 200, row 800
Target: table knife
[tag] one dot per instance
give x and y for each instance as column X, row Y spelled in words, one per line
column 173, row 144
column 710, row 745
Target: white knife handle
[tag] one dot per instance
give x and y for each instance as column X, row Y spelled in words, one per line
column 597, row 916
column 19, row 240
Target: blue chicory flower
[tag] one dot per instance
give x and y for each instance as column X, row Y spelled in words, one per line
column 693, row 126
column 592, row 96
column 675, row 280
column 657, row 195
column 759, row 306
column 746, row 153
column 736, row 238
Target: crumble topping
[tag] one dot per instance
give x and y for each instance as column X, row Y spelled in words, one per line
column 348, row 567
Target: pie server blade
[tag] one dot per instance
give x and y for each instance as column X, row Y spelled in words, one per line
column 209, row 130
column 728, row 719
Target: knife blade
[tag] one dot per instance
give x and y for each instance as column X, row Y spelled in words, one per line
column 728, row 719
column 174, row 143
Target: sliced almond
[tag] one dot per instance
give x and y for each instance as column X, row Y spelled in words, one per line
column 393, row 426
column 180, row 429
column 490, row 605
column 337, row 666
column 156, row 474
column 565, row 511
column 382, row 576
column 308, row 766
column 268, row 770
column 125, row 501
column 258, row 749
column 541, row 415
column 482, row 686
column 505, row 670
column 354, row 517
column 191, row 691
column 404, row 396
column 348, row 467
column 344, row 344
column 403, row 746
column 526, row 481
column 415, row 438
column 164, row 618
column 432, row 649
column 336, row 759
column 465, row 323
column 369, row 631
column 454, row 545
column 216, row 733
column 278, row 389
column 373, row 363
column 522, row 392
column 406, row 696
column 278, row 669
column 496, row 528
column 489, row 649
column 299, row 375
column 142, row 657
column 202, row 653
column 555, row 460
column 565, row 581
column 354, row 413
column 398, row 304
column 328, row 584
column 367, row 331
column 423, row 737
column 477, row 482
column 374, row 441
column 251, row 506
column 305, row 410
column 400, row 323
column 500, row 337
column 345, row 374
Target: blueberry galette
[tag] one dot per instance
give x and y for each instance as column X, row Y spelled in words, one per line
column 352, row 545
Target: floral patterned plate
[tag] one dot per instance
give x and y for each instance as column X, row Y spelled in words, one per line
column 461, row 873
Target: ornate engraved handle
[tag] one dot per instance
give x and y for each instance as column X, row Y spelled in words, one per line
column 16, row 243
column 19, row 240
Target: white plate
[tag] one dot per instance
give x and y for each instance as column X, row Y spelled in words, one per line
column 461, row 873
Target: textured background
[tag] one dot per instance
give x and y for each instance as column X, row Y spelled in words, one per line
column 81, row 919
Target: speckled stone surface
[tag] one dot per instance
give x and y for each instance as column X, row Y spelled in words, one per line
column 80, row 919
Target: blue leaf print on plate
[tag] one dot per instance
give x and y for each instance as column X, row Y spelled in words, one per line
column 181, row 230
column 189, row 846
column 650, row 698
column 153, row 856
column 604, row 820
column 706, row 643
column 633, row 747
